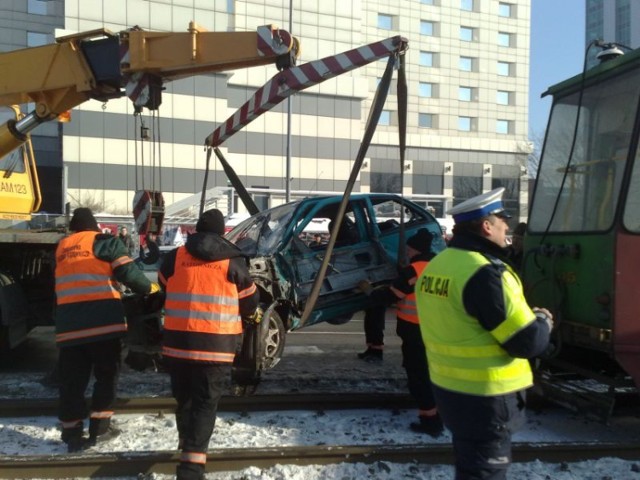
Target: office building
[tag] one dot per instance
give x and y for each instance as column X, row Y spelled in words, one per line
column 467, row 69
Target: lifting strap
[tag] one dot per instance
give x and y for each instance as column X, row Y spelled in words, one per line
column 372, row 122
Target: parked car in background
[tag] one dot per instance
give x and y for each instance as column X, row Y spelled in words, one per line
column 284, row 262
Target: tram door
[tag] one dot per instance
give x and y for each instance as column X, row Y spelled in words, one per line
column 626, row 335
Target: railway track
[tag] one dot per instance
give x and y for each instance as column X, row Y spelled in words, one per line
column 298, row 401
column 135, row 463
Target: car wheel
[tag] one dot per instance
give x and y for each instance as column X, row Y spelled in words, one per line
column 273, row 338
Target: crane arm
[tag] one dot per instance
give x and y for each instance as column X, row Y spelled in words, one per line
column 101, row 65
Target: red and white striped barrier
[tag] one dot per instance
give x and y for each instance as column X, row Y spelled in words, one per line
column 295, row 79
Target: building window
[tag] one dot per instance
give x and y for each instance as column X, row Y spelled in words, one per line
column 385, row 22
column 427, row 59
column 426, row 120
column 230, row 6
column 467, row 64
column 466, row 5
column 467, row 34
column 427, row 28
column 503, row 127
column 37, row 7
column 385, row 118
column 503, row 97
column 466, row 124
column 36, row 39
column 504, row 39
column 466, row 94
column 505, row 9
column 504, row 69
column 425, row 89
column 426, row 2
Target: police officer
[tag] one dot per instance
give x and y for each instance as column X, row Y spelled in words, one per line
column 478, row 331
column 90, row 323
column 208, row 291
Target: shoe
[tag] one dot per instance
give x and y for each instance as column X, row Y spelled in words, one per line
column 74, row 438
column 371, row 355
column 110, row 434
column 76, row 444
column 431, row 425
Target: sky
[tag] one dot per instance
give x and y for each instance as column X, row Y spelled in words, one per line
column 557, row 53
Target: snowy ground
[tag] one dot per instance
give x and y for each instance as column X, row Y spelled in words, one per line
column 40, row 436
column 305, row 369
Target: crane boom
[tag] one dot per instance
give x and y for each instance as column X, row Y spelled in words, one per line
column 101, row 65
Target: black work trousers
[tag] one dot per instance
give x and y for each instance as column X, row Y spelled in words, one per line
column 414, row 361
column 75, row 364
column 197, row 389
column 374, row 326
column 481, row 428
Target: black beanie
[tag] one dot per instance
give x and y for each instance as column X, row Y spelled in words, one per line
column 421, row 241
column 83, row 220
column 211, row 221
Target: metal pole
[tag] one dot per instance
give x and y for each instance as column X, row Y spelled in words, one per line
column 287, row 182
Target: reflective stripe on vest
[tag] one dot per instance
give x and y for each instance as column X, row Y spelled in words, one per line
column 90, row 332
column 463, row 356
column 75, row 254
column 202, row 312
column 406, row 308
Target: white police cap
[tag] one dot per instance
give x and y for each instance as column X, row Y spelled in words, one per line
column 489, row 203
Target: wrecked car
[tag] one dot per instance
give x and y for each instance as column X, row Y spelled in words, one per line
column 284, row 260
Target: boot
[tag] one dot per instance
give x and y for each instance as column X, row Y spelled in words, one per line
column 431, row 425
column 73, row 437
column 101, row 430
column 371, row 355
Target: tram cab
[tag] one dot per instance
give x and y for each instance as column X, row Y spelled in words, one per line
column 582, row 248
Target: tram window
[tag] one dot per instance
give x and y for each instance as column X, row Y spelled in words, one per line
column 631, row 218
column 579, row 184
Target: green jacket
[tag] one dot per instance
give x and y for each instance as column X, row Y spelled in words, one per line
column 78, row 323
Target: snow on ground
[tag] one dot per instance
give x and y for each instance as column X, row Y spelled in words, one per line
column 40, row 436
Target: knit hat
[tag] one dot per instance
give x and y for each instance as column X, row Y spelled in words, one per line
column 421, row 241
column 211, row 221
column 83, row 220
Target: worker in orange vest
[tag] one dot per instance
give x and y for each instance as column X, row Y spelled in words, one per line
column 209, row 294
column 414, row 362
column 90, row 323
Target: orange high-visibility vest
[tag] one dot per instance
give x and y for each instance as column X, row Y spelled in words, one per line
column 202, row 315
column 406, row 307
column 80, row 275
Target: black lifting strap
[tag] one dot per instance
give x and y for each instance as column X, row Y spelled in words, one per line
column 372, row 122
column 402, row 142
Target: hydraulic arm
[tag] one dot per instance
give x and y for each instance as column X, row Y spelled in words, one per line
column 102, row 65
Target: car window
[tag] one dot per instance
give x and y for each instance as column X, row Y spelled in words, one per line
column 261, row 233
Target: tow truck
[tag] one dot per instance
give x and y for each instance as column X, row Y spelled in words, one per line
column 54, row 78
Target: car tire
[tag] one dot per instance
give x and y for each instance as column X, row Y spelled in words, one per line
column 274, row 339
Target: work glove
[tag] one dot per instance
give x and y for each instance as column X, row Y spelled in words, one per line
column 365, row 287
column 254, row 319
column 155, row 288
column 544, row 314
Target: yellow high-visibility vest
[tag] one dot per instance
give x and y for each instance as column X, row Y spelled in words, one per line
column 463, row 356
